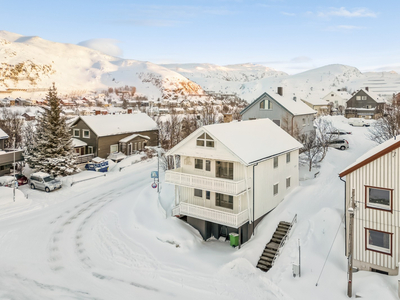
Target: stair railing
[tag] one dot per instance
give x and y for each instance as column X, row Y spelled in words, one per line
column 283, row 241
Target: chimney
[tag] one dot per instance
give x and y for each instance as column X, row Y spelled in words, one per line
column 228, row 118
column 367, row 88
column 280, row 90
column 130, row 110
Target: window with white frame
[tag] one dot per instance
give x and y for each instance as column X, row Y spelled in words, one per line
column 76, row 132
column 358, row 97
column 223, row 200
column 275, row 162
column 198, row 193
column 86, row 133
column 275, row 189
column 198, row 164
column 288, row 182
column 379, row 198
column 287, row 158
column 208, row 165
column 205, row 140
column 379, row 241
column 363, row 97
column 266, row 104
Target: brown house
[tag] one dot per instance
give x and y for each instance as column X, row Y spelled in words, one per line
column 365, row 104
column 29, row 116
column 106, row 134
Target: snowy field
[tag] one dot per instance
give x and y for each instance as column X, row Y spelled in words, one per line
column 108, row 238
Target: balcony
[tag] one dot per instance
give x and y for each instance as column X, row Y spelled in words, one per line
column 211, row 215
column 212, row 184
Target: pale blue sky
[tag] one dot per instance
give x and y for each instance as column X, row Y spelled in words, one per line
column 291, row 36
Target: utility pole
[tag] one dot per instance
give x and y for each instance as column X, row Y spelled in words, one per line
column 351, row 240
column 15, row 179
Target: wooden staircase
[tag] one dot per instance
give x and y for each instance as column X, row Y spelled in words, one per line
column 273, row 248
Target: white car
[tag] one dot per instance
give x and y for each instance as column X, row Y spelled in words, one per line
column 358, row 122
column 44, row 181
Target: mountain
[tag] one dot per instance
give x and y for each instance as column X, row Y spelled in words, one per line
column 29, row 65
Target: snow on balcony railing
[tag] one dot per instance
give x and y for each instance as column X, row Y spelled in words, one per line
column 212, row 215
column 213, row 184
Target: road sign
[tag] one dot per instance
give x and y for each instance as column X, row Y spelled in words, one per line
column 154, row 174
column 154, row 185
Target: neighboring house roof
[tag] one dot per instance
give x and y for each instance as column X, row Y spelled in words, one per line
column 106, row 125
column 3, row 135
column 78, row 143
column 374, row 96
column 131, row 137
column 372, row 155
column 296, row 108
column 30, row 114
column 342, row 94
column 316, row 101
column 250, row 141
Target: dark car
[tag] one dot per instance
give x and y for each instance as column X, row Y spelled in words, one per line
column 339, row 132
column 21, row 179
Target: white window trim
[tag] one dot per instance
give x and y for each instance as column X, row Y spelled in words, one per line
column 83, row 134
column 205, row 142
column 77, row 130
column 377, row 248
column 379, row 206
column 202, row 165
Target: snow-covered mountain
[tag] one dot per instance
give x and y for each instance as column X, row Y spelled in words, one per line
column 29, row 65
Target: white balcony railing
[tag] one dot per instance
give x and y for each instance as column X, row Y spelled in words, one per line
column 213, row 184
column 212, row 215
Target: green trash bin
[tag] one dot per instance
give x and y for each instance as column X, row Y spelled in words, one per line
column 234, row 239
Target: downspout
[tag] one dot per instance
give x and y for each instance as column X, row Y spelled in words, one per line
column 247, row 195
column 292, row 124
column 254, row 176
column 345, row 229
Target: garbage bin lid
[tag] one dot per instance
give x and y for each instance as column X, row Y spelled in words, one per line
column 233, row 234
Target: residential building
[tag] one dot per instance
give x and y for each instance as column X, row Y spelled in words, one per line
column 319, row 105
column 375, row 180
column 290, row 113
column 105, row 134
column 337, row 98
column 365, row 104
column 7, row 155
column 228, row 176
column 29, row 116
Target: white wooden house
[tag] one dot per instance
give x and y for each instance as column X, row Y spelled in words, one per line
column 337, row 98
column 375, row 179
column 223, row 171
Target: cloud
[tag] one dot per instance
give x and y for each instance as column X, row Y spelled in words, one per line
column 287, row 13
column 107, row 46
column 343, row 12
column 344, row 28
column 300, row 59
column 146, row 23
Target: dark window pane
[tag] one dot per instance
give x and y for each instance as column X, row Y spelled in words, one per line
column 198, row 193
column 224, row 170
column 198, row 164
column 210, row 144
column 224, row 200
column 378, row 196
column 379, row 239
column 208, row 165
column 208, row 195
column 200, row 143
column 288, row 157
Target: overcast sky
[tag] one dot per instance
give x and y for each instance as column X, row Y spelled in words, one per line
column 287, row 35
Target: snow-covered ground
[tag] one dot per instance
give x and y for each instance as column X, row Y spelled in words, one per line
column 108, row 238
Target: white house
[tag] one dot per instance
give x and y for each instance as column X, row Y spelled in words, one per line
column 229, row 176
column 338, row 98
column 375, row 179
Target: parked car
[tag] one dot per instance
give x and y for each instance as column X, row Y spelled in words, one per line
column 340, row 132
column 44, row 181
column 21, row 179
column 7, row 181
column 341, row 144
column 358, row 122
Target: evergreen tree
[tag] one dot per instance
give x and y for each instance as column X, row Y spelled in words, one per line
column 52, row 150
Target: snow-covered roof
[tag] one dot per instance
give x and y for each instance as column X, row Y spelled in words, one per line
column 105, row 125
column 342, row 94
column 295, row 107
column 40, row 174
column 373, row 154
column 250, row 141
column 316, row 101
column 97, row 159
column 30, row 114
column 3, row 135
column 373, row 95
column 78, row 143
column 131, row 137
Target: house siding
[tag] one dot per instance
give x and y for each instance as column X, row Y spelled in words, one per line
column 359, row 104
column 91, row 141
column 384, row 173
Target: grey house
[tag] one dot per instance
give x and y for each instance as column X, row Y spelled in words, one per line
column 7, row 155
column 365, row 104
column 106, row 134
column 290, row 113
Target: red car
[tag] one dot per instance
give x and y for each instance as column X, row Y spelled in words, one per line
column 21, row 179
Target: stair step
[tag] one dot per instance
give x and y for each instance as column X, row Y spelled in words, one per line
column 267, row 258
column 278, row 241
column 284, row 232
column 272, row 245
column 285, row 223
column 278, row 235
column 268, row 254
column 282, row 228
column 270, row 251
column 263, row 268
column 265, row 263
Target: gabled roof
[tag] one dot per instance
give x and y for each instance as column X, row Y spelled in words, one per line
column 3, row 135
column 106, row 125
column 372, row 155
column 296, row 108
column 131, row 137
column 374, row 96
column 316, row 101
column 250, row 141
column 343, row 94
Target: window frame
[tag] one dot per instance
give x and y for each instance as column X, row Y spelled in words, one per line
column 208, row 195
column 378, row 206
column 277, row 189
column 229, row 196
column 290, row 183
column 390, row 252
column 83, row 133
column 276, row 159
column 202, row 163
column 90, row 150
column 79, row 132
column 208, row 165
column 207, row 142
column 201, row 192
column 288, row 157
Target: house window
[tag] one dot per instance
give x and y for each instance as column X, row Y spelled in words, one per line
column 332, row 95
column 198, row 193
column 287, row 158
column 86, row 133
column 304, row 121
column 139, row 145
column 208, row 165
column 224, row 200
column 76, row 132
column 90, row 149
column 275, row 189
column 208, row 195
column 288, row 182
column 363, row 97
column 378, row 241
column 224, row 170
column 379, row 198
column 266, row 104
column 113, row 148
column 205, row 140
column 262, row 104
column 275, row 162
column 198, row 164
column 358, row 97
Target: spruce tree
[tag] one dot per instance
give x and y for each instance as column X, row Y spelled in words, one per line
column 52, row 150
